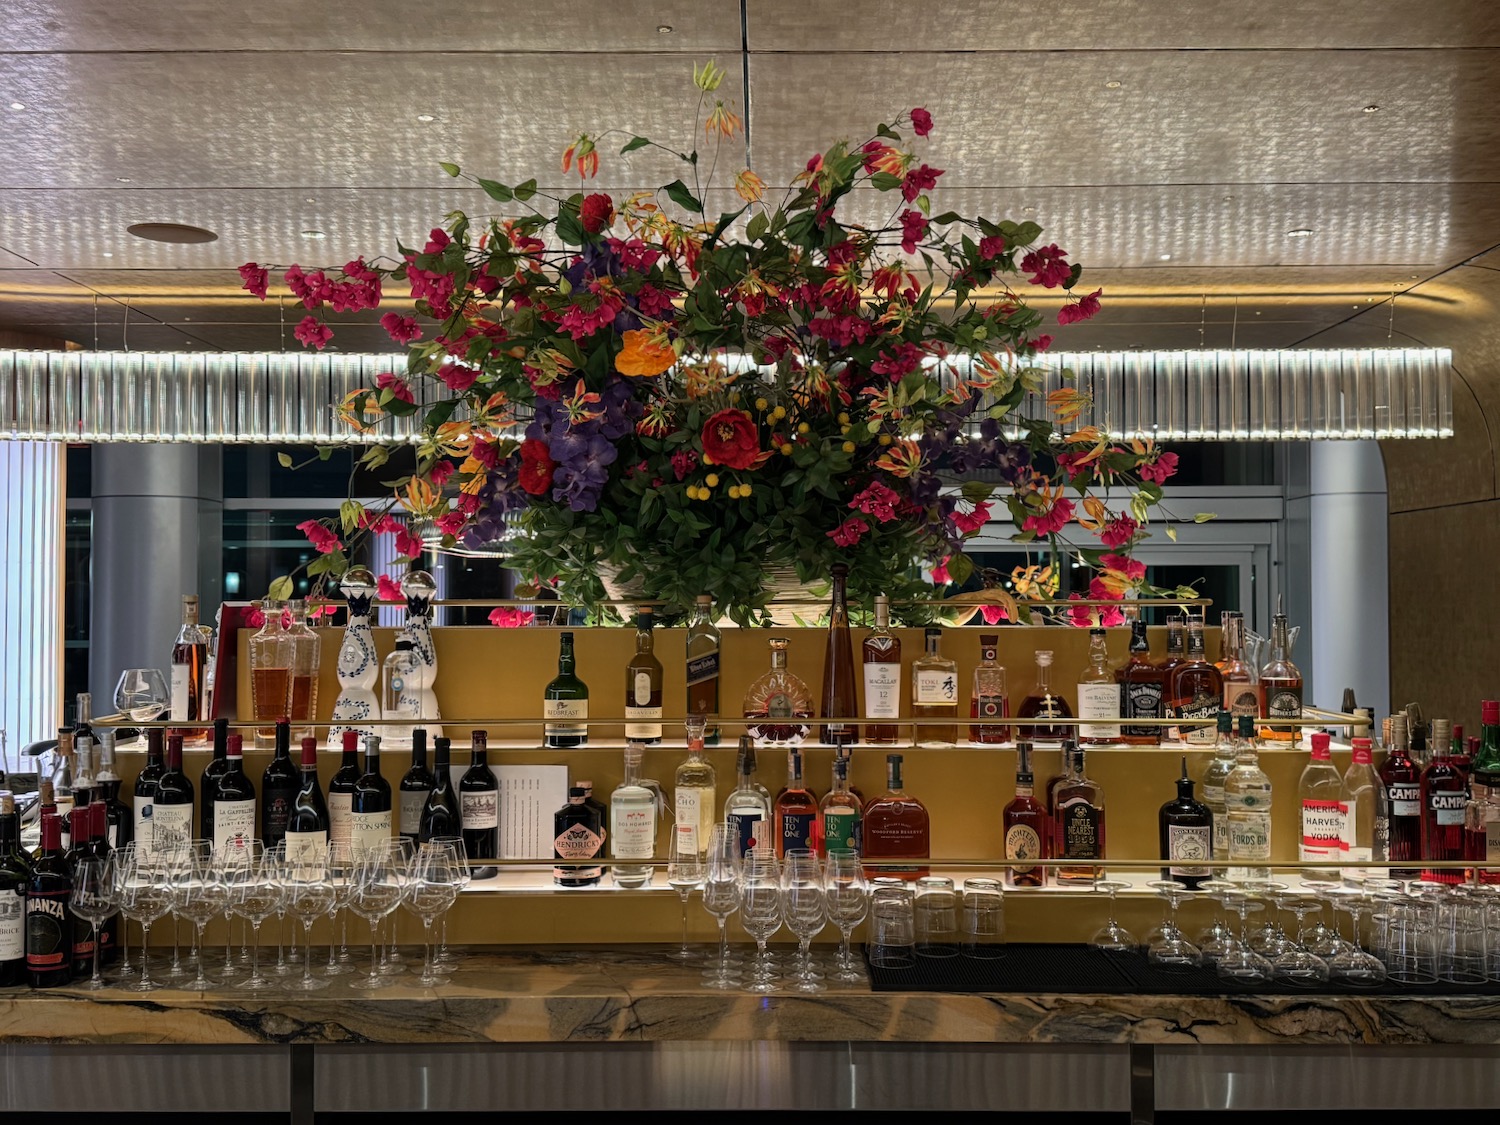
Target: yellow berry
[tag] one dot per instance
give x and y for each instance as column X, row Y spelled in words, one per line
column 712, row 480
column 779, row 412
column 843, row 419
column 695, row 493
column 885, row 439
column 848, row 447
column 734, row 396
column 844, row 429
column 707, row 460
column 761, row 404
column 786, row 449
column 744, row 490
column 736, row 491
column 803, row 427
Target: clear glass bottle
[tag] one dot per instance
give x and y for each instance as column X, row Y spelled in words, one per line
column 703, row 670
column 988, row 699
column 1140, row 690
column 840, row 814
column 189, row 669
column 1320, row 790
column 880, row 654
column 270, row 673
column 1280, row 685
column 934, row 693
column 780, row 696
column 1247, row 797
column 643, row 680
column 1043, row 703
column 397, row 698
column 1195, row 691
column 1079, row 812
column 897, row 827
column 795, row 810
column 1367, row 814
column 565, row 700
column 1241, row 681
column 307, row 657
column 694, row 791
column 838, row 698
column 747, row 809
column 1024, row 821
column 1214, row 778
column 632, row 824
column 1098, row 695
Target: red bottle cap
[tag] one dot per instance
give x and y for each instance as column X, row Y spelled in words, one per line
column 1489, row 711
column 51, row 832
column 309, row 751
column 1320, row 745
column 235, row 746
column 1473, row 746
column 100, row 829
column 351, row 741
column 1362, row 751
column 1458, row 734
column 79, row 820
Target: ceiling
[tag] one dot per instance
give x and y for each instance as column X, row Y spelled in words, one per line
column 1169, row 145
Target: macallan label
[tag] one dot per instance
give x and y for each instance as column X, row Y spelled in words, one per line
column 1190, row 845
column 1406, row 798
column 882, row 691
column 935, row 686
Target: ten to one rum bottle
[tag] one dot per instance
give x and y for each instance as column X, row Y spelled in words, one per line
column 307, row 826
column 643, row 677
column 747, row 810
column 1444, row 797
column 1195, row 692
column 1367, row 814
column 1080, row 821
column 1098, row 695
column 479, row 806
column 1025, row 824
column 1280, row 685
column 795, row 810
column 880, row 654
column 1403, row 786
column 703, row 671
column 1323, row 800
column 1241, row 682
column 48, row 921
column 1214, row 778
column 189, row 667
column 1043, row 703
column 307, row 657
column 838, row 698
column 934, row 693
column 577, row 834
column 776, row 698
column 840, row 814
column 565, row 701
column 1140, row 690
column 1247, row 797
column 694, row 791
column 897, row 827
column 1187, row 836
column 270, row 673
column 988, row 701
column 632, row 824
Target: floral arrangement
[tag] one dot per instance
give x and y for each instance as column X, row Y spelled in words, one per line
column 682, row 403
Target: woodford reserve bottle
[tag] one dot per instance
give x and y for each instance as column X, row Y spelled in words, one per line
column 880, row 654
column 1140, row 690
column 1195, row 692
column 896, row 827
column 1025, row 824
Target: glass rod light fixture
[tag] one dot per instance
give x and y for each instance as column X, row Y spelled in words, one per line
column 264, row 397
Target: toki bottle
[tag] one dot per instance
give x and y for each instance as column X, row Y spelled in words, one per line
column 565, row 700
column 1098, row 695
column 934, row 693
column 1140, row 683
column 48, row 921
column 370, row 803
column 1241, row 681
column 577, row 835
column 776, row 699
column 643, row 680
column 1444, row 797
column 1280, row 684
column 840, row 814
column 441, row 815
column 479, row 806
column 15, row 873
column 880, row 661
column 279, row 785
column 795, row 811
column 1079, row 815
column 208, row 781
column 632, row 824
column 838, row 699
column 189, row 670
column 747, row 810
column 1403, row 786
column 307, row 824
column 1186, row 834
column 145, row 788
column 1366, row 816
column 416, row 785
column 703, row 671
column 988, row 700
column 694, row 790
column 1323, row 800
column 1024, row 821
column 1247, row 800
column 234, row 798
column 172, row 806
column 897, row 827
column 1195, row 692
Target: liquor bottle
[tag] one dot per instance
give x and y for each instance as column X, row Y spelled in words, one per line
column 1140, row 683
column 703, row 672
column 119, row 819
column 1460, row 755
column 1247, row 799
column 838, row 699
column 779, row 695
column 897, row 827
column 83, row 772
column 1444, row 798
column 1098, row 695
column 795, row 811
column 1241, row 682
column 577, row 835
column 1195, row 691
column 1187, row 836
column 880, row 656
column 172, row 807
column 398, row 692
column 145, row 790
column 1176, row 648
column 49, row 922
column 589, row 799
column 632, row 824
column 307, row 656
column 416, row 785
column 234, row 798
column 208, row 780
column 1323, row 799
column 82, row 954
column 370, row 803
column 270, row 672
column 1280, row 684
column 1484, row 793
column 695, row 803
column 565, row 701
column 643, row 678
column 189, row 666
column 1214, row 778
column 279, row 784
column 479, row 806
column 1403, row 786
column 15, row 873
column 83, row 719
column 307, row 825
column 988, row 700
column 747, row 810
column 1024, row 821
column 1485, row 764
column 441, row 815
column 1042, row 703
column 1080, row 822
column 1366, row 816
column 840, row 814
column 341, row 791
column 934, row 693
column 62, row 781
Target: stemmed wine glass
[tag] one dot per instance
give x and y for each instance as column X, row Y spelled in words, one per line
column 1112, row 937
column 431, row 889
column 405, row 849
column 255, row 891
column 721, row 898
column 1217, row 938
column 341, row 879
column 309, row 895
column 1352, row 965
column 848, row 902
column 1242, row 963
column 685, row 874
column 804, row 900
column 760, row 914
column 141, row 693
column 1169, row 947
column 1297, row 964
column 443, row 955
column 377, row 889
column 94, row 899
column 198, row 894
column 145, row 895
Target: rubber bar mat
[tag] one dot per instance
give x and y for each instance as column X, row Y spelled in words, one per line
column 1041, row 968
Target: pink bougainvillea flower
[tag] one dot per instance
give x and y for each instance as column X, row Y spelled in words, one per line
column 1159, row 470
column 1041, row 343
column 387, row 589
column 398, row 386
column 441, row 470
column 921, row 122
column 254, row 618
column 940, row 575
column 381, row 525
column 408, row 546
column 322, row 539
column 913, row 229
column 256, row 279
column 312, row 332
column 991, row 247
column 458, row 377
column 848, row 533
column 509, row 617
column 1082, row 310
column 877, row 500
column 1118, row 532
column 402, row 329
column 1048, row 266
column 918, row 180
column 993, row 614
column 1051, row 521
column 972, row 520
column 1124, row 565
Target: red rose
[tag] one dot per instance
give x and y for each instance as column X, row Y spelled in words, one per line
column 729, row 438
column 536, row 466
column 598, row 212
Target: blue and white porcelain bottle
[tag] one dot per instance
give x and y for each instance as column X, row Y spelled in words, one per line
column 358, row 664
column 419, row 589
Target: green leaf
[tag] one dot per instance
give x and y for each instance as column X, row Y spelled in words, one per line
column 451, row 169
column 948, row 217
column 1204, row 517
column 496, row 190
column 884, row 181
column 349, row 513
column 1171, row 533
column 525, row 190
column 976, row 491
column 635, row 143
column 325, row 452
column 440, row 413
column 678, row 193
column 1073, row 275
column 284, row 460
column 570, row 228
column 887, row 132
column 756, row 229
column 281, row 589
column 1026, row 234
column 959, row 569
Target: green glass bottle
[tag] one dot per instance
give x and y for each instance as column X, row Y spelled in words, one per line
column 565, row 703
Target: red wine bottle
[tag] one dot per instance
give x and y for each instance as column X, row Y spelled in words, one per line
column 341, row 791
column 479, row 807
column 15, row 873
column 279, row 785
column 307, row 823
column 370, row 803
column 440, row 813
column 208, row 783
column 172, row 807
column 417, row 785
column 234, row 801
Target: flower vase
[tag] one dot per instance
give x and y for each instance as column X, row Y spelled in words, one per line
column 358, row 664
column 419, row 588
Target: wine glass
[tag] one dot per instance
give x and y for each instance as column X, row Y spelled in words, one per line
column 1112, row 937
column 378, row 885
column 145, row 895
column 94, row 900
column 432, row 889
column 309, row 895
column 255, row 892
column 1242, row 963
column 141, row 694
column 721, row 897
column 340, row 861
column 761, row 914
column 405, row 852
column 1217, row 938
column 443, row 955
column 1297, row 964
column 685, row 873
column 848, row 902
column 1352, row 965
column 804, row 900
column 1169, row 947
column 198, row 894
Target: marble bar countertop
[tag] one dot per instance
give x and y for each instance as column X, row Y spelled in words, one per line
column 636, row 994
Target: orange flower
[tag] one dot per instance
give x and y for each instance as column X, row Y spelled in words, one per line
column 721, row 120
column 749, row 187
column 582, row 150
column 645, row 354
column 1067, row 403
column 901, row 459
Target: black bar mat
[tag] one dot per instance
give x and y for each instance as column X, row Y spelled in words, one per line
column 1040, row 969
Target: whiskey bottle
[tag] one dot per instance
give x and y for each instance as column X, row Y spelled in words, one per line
column 779, row 696
column 1280, row 685
column 896, row 827
column 565, row 701
column 747, row 810
column 840, row 814
column 1024, row 821
column 1187, row 832
column 632, row 825
column 1080, row 821
column 1140, row 690
column 1214, row 778
column 880, row 653
column 1098, row 695
column 1042, row 703
column 1241, row 682
column 1403, row 786
column 1444, row 797
column 934, row 693
column 270, row 673
column 795, row 811
column 1247, row 798
column 703, row 671
column 838, row 699
column 189, row 669
column 988, row 701
column 643, row 677
column 1321, row 792
column 1176, row 646
column 694, row 792
column 1195, row 692
column 577, row 834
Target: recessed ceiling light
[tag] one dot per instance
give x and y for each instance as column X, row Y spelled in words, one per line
column 313, row 234
column 664, row 29
column 108, row 254
column 1028, row 210
column 1165, row 257
column 1113, row 84
column 1300, row 232
column 309, row 199
column 1372, row 109
column 122, row 179
column 424, row 118
column 171, row 232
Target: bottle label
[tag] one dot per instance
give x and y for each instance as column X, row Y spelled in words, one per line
column 143, row 826
column 1191, row 845
column 369, row 830
column 1082, row 829
column 1448, row 807
column 175, row 822
column 1406, row 798
column 1204, row 708
column 179, row 706
column 1099, row 701
column 1240, row 698
column 641, row 692
column 1142, row 701
column 882, row 691
column 632, row 832
column 1023, row 842
column 234, row 823
column 1221, row 834
column 305, row 847
column 935, row 686
column 12, row 927
column 841, row 828
column 566, row 717
column 1284, row 703
column 702, row 668
column 479, row 811
column 1492, row 842
column 637, row 724
column 1213, row 794
column 746, row 827
column 413, row 801
column 990, row 707
column 1250, row 837
column 1322, row 829
column 687, row 809
column 47, row 945
column 276, row 810
column 1347, row 843
column 340, row 817
column 798, row 830
column 578, row 841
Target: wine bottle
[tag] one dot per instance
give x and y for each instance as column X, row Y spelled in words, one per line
column 479, row 807
column 307, row 823
column 440, row 814
column 82, row 848
column 370, row 803
column 278, row 788
column 15, row 873
column 416, row 786
column 838, row 699
column 341, row 791
column 109, row 930
column 172, row 807
column 208, row 781
column 49, row 923
column 234, row 799
column 119, row 819
column 145, row 790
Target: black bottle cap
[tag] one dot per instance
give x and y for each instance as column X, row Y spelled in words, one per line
column 1226, row 722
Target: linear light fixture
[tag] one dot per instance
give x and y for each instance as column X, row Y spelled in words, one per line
column 288, row 397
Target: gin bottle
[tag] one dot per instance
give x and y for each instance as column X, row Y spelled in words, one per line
column 1186, row 836
column 577, row 834
column 632, row 824
column 1247, row 797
